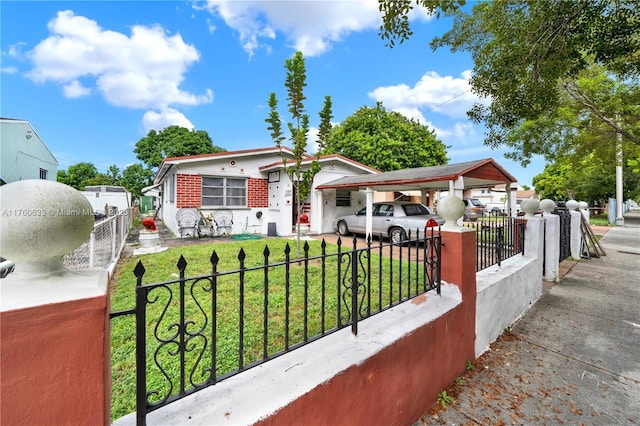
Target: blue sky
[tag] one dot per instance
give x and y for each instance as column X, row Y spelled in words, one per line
column 94, row 77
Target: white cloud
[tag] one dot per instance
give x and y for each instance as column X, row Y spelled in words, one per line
column 75, row 89
column 446, row 95
column 143, row 70
column 153, row 120
column 15, row 50
column 310, row 26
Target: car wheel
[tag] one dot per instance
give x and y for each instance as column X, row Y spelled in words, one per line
column 397, row 235
column 343, row 229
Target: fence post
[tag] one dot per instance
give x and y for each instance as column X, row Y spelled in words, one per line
column 54, row 324
column 114, row 237
column 551, row 240
column 458, row 267
column 576, row 231
column 92, row 248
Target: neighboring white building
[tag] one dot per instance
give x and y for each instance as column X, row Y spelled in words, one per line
column 255, row 187
column 108, row 200
column 23, row 154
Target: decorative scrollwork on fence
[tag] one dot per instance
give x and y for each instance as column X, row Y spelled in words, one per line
column 182, row 344
column 354, row 276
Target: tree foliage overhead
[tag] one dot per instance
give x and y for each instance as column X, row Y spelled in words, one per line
column 574, row 128
column 527, row 55
column 174, row 141
column 385, row 140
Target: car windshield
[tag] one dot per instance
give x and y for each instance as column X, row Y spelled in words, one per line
column 477, row 203
column 415, row 209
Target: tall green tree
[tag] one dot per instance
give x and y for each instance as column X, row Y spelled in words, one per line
column 174, row 141
column 386, row 140
column 528, row 53
column 79, row 175
column 113, row 173
column 135, row 177
column 301, row 175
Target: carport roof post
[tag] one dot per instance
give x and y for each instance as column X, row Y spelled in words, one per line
column 369, row 217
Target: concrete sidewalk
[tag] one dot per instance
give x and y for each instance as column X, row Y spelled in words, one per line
column 573, row 358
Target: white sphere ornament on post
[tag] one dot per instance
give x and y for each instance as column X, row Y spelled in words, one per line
column 451, row 209
column 572, row 205
column 547, row 206
column 584, row 208
column 529, row 206
column 41, row 222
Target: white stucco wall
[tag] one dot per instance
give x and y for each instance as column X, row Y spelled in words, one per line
column 505, row 293
column 98, row 200
column 23, row 153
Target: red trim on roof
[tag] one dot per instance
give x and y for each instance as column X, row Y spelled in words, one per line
column 226, row 153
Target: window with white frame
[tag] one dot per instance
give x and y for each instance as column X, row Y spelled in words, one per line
column 224, row 192
column 43, row 174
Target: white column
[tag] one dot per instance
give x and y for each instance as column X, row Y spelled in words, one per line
column 534, row 238
column 552, row 241
column 369, row 218
column 576, row 231
column 316, row 222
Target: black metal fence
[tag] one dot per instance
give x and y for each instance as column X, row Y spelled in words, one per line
column 498, row 237
column 192, row 332
column 565, row 232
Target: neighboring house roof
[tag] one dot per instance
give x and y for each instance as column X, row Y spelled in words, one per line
column 477, row 174
column 529, row 193
column 105, row 188
column 15, row 120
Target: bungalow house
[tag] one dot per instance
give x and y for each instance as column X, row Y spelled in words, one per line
column 254, row 187
column 23, row 154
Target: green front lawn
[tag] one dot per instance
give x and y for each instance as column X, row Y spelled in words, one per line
column 164, row 311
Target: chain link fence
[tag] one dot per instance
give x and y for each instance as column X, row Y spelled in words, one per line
column 103, row 247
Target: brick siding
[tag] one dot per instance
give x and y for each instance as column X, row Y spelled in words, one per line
column 257, row 193
column 189, row 191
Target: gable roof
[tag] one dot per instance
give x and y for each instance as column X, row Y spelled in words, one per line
column 168, row 163
column 33, row 130
column 323, row 159
column 477, row 174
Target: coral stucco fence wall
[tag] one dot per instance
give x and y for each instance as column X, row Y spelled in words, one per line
column 55, row 361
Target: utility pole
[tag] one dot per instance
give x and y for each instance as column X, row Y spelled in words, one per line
column 619, row 217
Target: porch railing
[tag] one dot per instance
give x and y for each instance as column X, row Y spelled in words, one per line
column 192, row 332
column 498, row 237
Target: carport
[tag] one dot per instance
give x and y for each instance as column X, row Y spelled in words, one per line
column 454, row 178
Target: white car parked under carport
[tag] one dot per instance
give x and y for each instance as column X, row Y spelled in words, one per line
column 393, row 220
